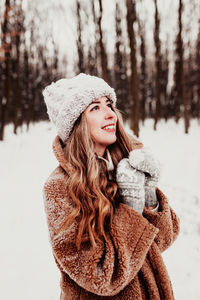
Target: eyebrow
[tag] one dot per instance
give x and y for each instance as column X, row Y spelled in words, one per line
column 97, row 101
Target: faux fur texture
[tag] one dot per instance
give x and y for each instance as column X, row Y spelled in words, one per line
column 129, row 266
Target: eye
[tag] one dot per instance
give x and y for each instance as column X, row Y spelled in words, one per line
column 110, row 105
column 96, row 107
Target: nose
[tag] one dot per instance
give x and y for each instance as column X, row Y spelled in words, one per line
column 109, row 114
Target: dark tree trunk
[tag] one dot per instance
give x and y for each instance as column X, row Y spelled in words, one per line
column 143, row 75
column 131, row 18
column 164, row 83
column 94, row 53
column 80, row 45
column 29, row 106
column 120, row 69
column 158, row 65
column 198, row 72
column 4, row 105
column 103, row 54
column 17, row 95
column 179, row 72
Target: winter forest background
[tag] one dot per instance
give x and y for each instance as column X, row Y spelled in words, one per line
column 149, row 51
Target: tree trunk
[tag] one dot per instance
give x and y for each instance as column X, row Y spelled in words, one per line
column 120, row 68
column 28, row 106
column 80, row 46
column 131, row 18
column 198, row 72
column 179, row 71
column 143, row 76
column 6, row 85
column 17, row 95
column 164, row 83
column 103, row 55
column 158, row 65
column 93, row 53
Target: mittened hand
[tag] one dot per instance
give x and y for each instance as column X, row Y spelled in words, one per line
column 144, row 161
column 131, row 185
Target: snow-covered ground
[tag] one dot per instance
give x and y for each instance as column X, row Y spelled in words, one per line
column 27, row 268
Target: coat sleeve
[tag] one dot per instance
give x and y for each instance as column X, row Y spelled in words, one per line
column 109, row 267
column 165, row 220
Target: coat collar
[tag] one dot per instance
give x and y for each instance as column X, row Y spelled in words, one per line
column 59, row 154
column 108, row 160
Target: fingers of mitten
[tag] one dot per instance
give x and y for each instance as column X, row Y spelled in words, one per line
column 127, row 174
column 150, row 196
column 152, row 164
column 143, row 160
column 136, row 158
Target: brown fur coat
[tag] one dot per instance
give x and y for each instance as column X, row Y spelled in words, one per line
column 128, row 266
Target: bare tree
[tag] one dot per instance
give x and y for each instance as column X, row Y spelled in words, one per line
column 93, row 53
column 131, row 19
column 120, row 67
column 158, row 64
column 179, row 72
column 18, row 19
column 103, row 54
column 28, row 104
column 198, row 72
column 80, row 45
column 6, row 46
column 143, row 73
column 164, row 83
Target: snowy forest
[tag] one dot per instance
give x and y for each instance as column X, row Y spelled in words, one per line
column 155, row 72
column 149, row 51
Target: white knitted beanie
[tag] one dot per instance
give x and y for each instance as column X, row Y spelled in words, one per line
column 66, row 99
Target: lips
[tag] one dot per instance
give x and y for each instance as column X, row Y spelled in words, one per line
column 109, row 127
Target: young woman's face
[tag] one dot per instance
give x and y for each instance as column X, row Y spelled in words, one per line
column 101, row 120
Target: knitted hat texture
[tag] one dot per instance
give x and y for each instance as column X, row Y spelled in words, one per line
column 66, row 99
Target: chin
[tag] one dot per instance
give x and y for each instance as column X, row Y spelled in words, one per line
column 111, row 141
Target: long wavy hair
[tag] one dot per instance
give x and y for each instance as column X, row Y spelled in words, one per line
column 95, row 195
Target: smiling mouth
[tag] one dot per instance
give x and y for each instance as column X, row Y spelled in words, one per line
column 110, row 127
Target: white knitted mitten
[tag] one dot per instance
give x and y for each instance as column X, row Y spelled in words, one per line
column 144, row 161
column 131, row 185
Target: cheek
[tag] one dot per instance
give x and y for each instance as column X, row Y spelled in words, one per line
column 90, row 123
column 93, row 122
column 95, row 130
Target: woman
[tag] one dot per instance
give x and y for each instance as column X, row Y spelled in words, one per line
column 108, row 222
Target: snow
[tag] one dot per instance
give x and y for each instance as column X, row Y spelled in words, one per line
column 28, row 270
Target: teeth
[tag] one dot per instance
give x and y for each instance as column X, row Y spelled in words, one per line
column 109, row 127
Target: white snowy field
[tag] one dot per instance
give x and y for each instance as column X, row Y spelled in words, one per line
column 27, row 268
